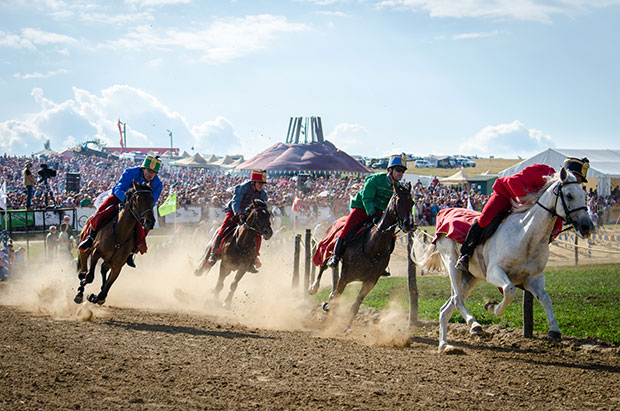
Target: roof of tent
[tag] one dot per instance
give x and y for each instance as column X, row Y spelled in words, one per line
column 194, row 161
column 309, row 157
column 603, row 163
column 457, row 178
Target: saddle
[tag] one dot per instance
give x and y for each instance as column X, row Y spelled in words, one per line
column 454, row 223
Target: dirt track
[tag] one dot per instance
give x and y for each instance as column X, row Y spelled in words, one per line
column 160, row 342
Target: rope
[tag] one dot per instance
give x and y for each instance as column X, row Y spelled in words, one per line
column 589, row 248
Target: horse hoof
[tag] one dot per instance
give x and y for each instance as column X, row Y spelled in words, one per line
column 451, row 350
column 477, row 330
column 312, row 290
column 325, row 306
column 555, row 335
column 92, row 298
column 198, row 272
column 226, row 305
column 489, row 304
column 78, row 298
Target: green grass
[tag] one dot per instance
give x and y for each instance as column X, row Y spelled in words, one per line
column 585, row 300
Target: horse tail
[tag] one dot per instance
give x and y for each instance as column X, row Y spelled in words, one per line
column 426, row 256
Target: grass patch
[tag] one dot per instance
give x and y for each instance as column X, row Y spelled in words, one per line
column 585, row 300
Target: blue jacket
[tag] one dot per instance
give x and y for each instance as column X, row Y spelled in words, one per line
column 127, row 179
column 244, row 194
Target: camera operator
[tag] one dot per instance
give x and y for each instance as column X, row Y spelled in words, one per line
column 46, row 173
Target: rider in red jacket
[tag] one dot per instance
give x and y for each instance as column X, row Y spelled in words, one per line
column 513, row 189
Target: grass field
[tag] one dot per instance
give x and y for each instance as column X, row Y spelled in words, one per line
column 493, row 165
column 585, row 300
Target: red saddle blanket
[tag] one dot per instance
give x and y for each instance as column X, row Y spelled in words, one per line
column 455, row 223
column 141, row 246
column 326, row 247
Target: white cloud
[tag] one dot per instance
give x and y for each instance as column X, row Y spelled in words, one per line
column 156, row 3
column 223, row 41
column 352, row 138
column 468, row 36
column 49, row 74
column 528, row 10
column 507, row 140
column 86, row 116
column 30, row 38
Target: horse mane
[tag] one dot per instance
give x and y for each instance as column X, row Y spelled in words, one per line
column 530, row 199
column 140, row 186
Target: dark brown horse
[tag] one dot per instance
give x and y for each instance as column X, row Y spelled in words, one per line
column 115, row 241
column 239, row 248
column 367, row 256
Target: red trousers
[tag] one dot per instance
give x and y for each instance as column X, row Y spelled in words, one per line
column 356, row 216
column 232, row 219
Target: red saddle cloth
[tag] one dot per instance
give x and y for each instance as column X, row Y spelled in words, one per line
column 142, row 247
column 326, row 247
column 455, row 223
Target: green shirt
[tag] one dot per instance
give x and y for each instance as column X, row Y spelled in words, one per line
column 375, row 195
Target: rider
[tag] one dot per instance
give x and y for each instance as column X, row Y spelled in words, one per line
column 244, row 195
column 507, row 190
column 370, row 202
column 146, row 173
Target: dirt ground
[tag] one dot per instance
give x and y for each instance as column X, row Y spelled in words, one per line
column 161, row 341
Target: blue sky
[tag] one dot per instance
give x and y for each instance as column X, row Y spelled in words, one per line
column 505, row 78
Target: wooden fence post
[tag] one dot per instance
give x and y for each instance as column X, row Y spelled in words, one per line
column 528, row 314
column 295, row 283
column 412, row 283
column 307, row 262
column 576, row 249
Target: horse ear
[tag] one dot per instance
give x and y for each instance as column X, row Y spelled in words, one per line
column 133, row 184
column 563, row 174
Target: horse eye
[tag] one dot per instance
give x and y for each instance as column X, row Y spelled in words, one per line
column 569, row 197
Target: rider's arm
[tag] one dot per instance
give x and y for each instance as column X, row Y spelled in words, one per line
column 124, row 183
column 157, row 189
column 237, row 197
column 368, row 195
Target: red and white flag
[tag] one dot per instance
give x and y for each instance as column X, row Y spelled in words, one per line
column 297, row 206
column 120, row 130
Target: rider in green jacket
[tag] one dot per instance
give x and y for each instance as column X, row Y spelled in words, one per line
column 371, row 202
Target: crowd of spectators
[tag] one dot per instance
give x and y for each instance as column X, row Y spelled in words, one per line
column 209, row 189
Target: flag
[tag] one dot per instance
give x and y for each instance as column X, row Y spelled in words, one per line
column 169, row 206
column 120, row 130
column 101, row 197
column 469, row 206
column 3, row 196
column 297, row 205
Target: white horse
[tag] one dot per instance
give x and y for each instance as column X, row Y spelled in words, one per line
column 515, row 255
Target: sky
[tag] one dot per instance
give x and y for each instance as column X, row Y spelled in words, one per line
column 502, row 78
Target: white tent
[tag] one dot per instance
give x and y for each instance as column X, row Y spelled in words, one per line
column 604, row 164
column 457, row 178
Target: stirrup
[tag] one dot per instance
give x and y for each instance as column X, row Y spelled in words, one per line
column 86, row 244
column 463, row 263
column 386, row 273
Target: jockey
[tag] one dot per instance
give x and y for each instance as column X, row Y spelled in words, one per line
column 146, row 173
column 509, row 189
column 370, row 203
column 244, row 195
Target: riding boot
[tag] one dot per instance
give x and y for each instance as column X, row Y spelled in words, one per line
column 212, row 256
column 130, row 262
column 468, row 247
column 87, row 243
column 338, row 252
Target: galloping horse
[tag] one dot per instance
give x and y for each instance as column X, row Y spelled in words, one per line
column 367, row 256
column 239, row 248
column 515, row 255
column 115, row 241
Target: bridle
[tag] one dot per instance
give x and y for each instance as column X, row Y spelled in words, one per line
column 559, row 195
column 139, row 215
column 400, row 222
column 245, row 220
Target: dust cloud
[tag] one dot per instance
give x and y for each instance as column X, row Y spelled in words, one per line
column 164, row 280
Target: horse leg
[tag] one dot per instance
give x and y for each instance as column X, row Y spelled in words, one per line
column 105, row 287
column 315, row 286
column 334, row 293
column 497, row 277
column 367, row 286
column 468, row 283
column 224, row 271
column 202, row 265
column 233, row 288
column 82, row 268
column 536, row 285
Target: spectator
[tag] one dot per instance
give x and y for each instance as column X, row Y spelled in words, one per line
column 65, row 241
column 29, row 183
column 51, row 241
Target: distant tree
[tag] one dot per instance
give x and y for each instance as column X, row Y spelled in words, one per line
column 47, row 145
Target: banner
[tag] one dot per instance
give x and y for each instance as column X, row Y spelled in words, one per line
column 17, row 219
column 169, row 206
column 3, row 196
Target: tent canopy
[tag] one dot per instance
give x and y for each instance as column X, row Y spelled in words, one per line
column 309, row 157
column 457, row 178
column 194, row 161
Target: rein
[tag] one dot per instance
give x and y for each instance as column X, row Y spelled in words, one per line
column 559, row 195
column 391, row 207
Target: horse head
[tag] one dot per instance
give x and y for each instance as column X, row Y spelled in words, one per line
column 573, row 199
column 401, row 205
column 259, row 218
column 139, row 201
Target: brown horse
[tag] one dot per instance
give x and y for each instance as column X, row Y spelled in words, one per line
column 115, row 241
column 367, row 255
column 239, row 248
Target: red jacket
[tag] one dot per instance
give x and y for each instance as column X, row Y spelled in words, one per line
column 529, row 180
